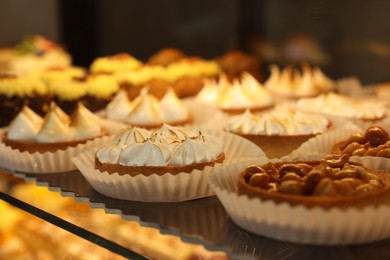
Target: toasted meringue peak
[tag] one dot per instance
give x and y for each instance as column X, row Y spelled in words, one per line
column 84, row 123
column 290, row 82
column 25, row 125
column 279, row 121
column 242, row 93
column 167, row 145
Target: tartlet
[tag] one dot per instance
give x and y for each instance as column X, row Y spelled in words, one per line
column 303, row 219
column 279, row 131
column 237, row 96
column 374, row 141
column 147, row 111
column 168, row 149
column 294, row 84
column 57, row 131
column 334, row 181
column 360, row 111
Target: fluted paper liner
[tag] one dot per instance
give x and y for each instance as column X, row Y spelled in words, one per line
column 167, row 187
column 299, row 224
column 48, row 162
column 323, row 143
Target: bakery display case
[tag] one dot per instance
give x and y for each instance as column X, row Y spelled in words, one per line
column 204, row 223
column 226, row 130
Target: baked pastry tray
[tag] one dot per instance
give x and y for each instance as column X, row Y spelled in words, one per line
column 201, row 221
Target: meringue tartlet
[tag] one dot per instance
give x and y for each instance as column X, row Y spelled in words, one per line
column 279, row 131
column 333, row 104
column 56, row 131
column 168, row 149
column 237, row 96
column 295, row 84
column 147, row 111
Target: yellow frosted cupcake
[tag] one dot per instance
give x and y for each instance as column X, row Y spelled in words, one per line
column 17, row 91
column 117, row 62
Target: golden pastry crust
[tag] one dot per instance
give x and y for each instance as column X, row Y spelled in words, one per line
column 276, row 146
column 149, row 170
column 33, row 147
column 331, row 182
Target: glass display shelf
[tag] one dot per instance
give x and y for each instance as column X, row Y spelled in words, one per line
column 201, row 221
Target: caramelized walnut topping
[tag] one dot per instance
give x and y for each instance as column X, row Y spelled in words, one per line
column 331, row 177
column 374, row 142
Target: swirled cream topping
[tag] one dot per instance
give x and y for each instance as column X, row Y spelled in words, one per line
column 244, row 93
column 292, row 83
column 159, row 148
column 146, row 110
column 56, row 126
column 344, row 106
column 279, row 121
column 25, row 125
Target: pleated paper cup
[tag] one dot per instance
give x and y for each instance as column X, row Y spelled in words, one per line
column 203, row 114
column 322, row 144
column 299, row 224
column 166, row 187
column 48, row 162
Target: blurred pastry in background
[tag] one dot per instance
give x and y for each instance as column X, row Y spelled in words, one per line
column 293, row 83
column 237, row 96
column 166, row 56
column 113, row 63
column 235, row 63
column 33, row 53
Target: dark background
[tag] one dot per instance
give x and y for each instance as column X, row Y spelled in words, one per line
column 345, row 38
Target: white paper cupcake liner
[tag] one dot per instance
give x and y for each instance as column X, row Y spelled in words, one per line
column 167, row 187
column 203, row 114
column 48, row 162
column 299, row 224
column 322, row 143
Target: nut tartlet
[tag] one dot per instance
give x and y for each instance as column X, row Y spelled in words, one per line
column 167, row 149
column 374, row 141
column 333, row 181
